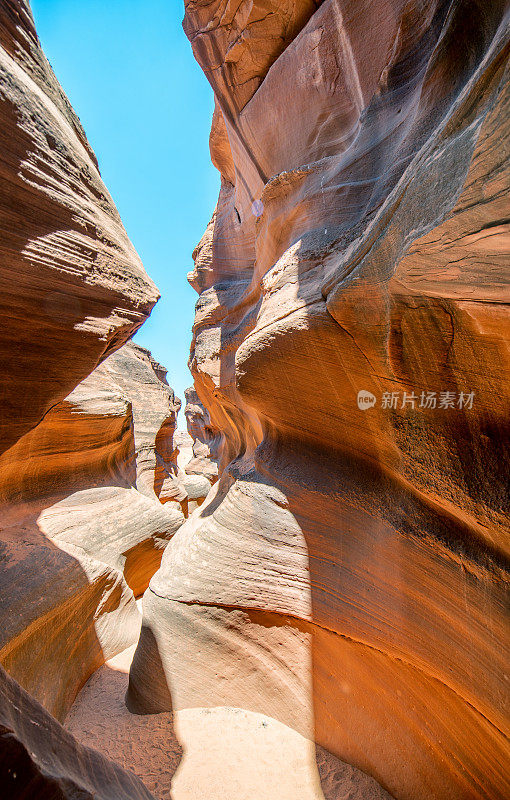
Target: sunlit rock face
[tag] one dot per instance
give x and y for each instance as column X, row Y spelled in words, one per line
column 73, row 287
column 347, row 574
column 82, row 528
column 154, row 408
column 198, row 453
column 201, row 471
column 207, row 440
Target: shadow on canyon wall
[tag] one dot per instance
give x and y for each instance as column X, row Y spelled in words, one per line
column 396, row 621
column 51, row 339
column 48, row 640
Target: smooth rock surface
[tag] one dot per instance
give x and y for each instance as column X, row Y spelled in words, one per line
column 77, row 496
column 207, row 441
column 73, row 291
column 199, row 453
column 348, row 574
column 73, row 287
column 214, row 753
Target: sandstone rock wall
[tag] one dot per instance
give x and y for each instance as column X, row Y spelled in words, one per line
column 73, row 287
column 201, row 471
column 77, row 537
column 207, row 441
column 39, row 759
column 71, row 515
column 198, row 455
column 77, row 495
column 348, row 574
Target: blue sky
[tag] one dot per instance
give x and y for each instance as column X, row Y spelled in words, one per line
column 146, row 107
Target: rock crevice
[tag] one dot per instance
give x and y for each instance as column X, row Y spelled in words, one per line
column 344, row 259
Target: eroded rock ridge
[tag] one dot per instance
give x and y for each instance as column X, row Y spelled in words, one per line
column 81, row 526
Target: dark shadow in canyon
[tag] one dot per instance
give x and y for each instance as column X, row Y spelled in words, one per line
column 157, row 698
column 48, row 608
column 154, row 696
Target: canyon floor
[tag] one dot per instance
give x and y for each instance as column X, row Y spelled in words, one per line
column 213, row 753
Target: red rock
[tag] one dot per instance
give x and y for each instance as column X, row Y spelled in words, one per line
column 199, row 454
column 207, row 441
column 348, row 573
column 77, row 537
column 73, row 287
column 77, row 495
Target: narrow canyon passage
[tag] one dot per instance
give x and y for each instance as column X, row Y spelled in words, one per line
column 303, row 595
column 213, row 753
column 220, row 753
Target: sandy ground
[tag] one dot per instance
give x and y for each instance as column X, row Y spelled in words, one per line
column 208, row 754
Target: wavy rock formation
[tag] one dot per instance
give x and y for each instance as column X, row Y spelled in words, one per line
column 81, row 528
column 198, row 454
column 348, row 574
column 154, row 406
column 77, row 539
column 73, row 287
column 207, row 440
column 77, row 495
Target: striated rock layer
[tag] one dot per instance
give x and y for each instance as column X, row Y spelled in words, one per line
column 207, row 440
column 348, row 573
column 81, row 529
column 73, row 287
column 198, row 453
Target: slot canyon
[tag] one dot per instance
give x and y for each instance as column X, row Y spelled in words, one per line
column 303, row 596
